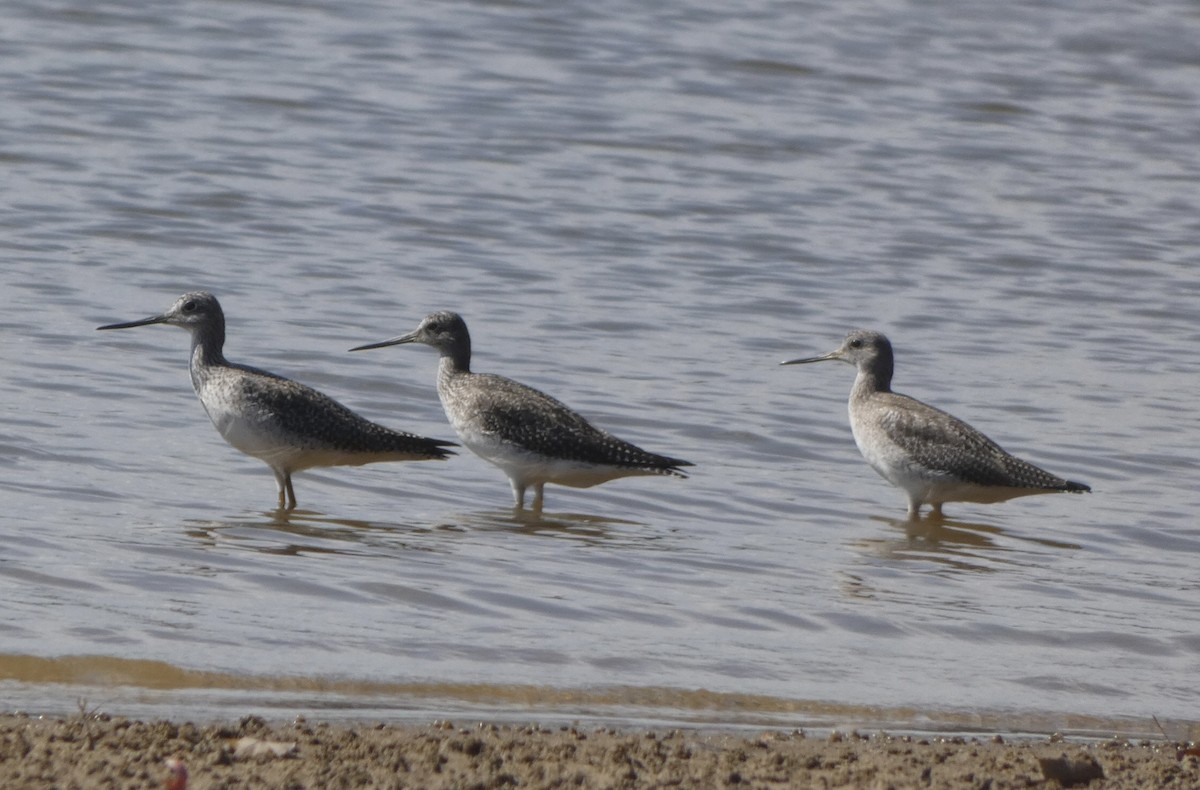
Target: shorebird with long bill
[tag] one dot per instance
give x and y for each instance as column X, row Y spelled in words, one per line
column 283, row 423
column 532, row 437
column 932, row 456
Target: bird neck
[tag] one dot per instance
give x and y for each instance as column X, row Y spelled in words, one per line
column 450, row 368
column 456, row 358
column 871, row 380
column 208, row 343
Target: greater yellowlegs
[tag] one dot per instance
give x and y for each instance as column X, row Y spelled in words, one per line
column 532, row 437
column 933, row 456
column 286, row 425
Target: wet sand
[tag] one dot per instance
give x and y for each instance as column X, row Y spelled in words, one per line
column 87, row 751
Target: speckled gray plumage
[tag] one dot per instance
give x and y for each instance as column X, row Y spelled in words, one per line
column 285, row 424
column 933, row 456
column 941, row 442
column 308, row 419
column 531, row 436
column 513, row 412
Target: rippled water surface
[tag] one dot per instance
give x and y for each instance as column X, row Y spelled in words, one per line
column 640, row 208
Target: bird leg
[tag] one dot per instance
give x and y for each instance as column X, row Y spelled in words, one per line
column 518, row 495
column 287, row 495
column 291, row 493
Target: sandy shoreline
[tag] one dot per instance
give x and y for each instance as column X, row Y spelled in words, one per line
column 85, row 751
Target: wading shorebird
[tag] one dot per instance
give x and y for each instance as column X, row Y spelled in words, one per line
column 532, row 437
column 932, row 456
column 288, row 426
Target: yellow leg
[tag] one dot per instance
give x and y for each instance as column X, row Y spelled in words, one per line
column 287, row 496
column 291, row 493
column 914, row 510
column 518, row 495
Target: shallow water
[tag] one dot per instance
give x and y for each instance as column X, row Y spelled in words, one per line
column 641, row 211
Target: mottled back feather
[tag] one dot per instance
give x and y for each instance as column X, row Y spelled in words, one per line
column 942, row 442
column 315, row 421
column 519, row 414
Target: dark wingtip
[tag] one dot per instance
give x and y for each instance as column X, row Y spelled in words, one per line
column 1077, row 488
column 436, row 449
column 674, row 467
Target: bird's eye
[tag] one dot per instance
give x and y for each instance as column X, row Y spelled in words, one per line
column 856, row 343
column 189, row 306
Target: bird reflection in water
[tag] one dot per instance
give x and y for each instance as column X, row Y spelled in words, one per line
column 294, row 532
column 580, row 526
column 310, row 532
column 952, row 544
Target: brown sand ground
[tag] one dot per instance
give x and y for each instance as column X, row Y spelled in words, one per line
column 99, row 751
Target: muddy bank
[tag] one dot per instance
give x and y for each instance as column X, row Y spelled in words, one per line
column 101, row 751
